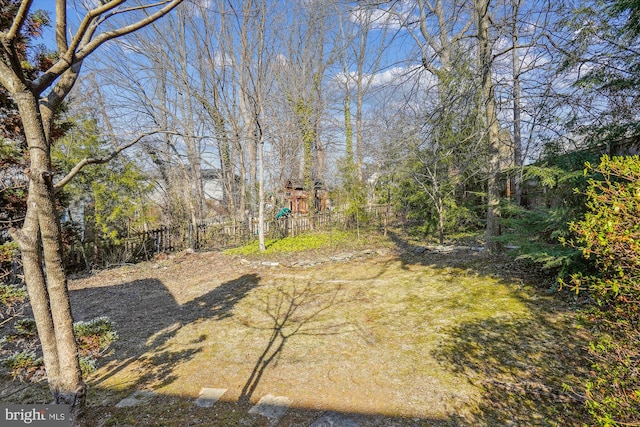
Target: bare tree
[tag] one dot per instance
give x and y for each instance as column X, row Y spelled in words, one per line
column 485, row 63
column 211, row 67
column 517, row 100
column 39, row 239
column 523, row 74
column 300, row 75
column 363, row 55
column 447, row 146
column 245, row 47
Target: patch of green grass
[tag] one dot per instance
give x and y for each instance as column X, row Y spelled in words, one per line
column 302, row 242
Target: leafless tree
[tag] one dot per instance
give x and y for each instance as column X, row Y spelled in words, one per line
column 39, row 239
column 362, row 58
column 301, row 74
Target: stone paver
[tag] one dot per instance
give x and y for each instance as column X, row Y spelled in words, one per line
column 269, row 406
column 272, row 407
column 137, row 398
column 209, row 396
column 335, row 419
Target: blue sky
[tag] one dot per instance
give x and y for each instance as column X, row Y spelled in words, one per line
column 49, row 33
column 402, row 56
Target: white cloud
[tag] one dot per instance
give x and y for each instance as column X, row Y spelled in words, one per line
column 390, row 75
column 392, row 17
column 375, row 18
column 197, row 8
column 382, row 78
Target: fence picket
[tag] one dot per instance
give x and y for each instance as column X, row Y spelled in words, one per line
column 143, row 245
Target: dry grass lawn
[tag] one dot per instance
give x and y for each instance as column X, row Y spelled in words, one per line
column 390, row 337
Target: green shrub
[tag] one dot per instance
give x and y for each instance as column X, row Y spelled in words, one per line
column 24, row 365
column 94, row 337
column 613, row 389
column 11, row 296
column 609, row 237
column 8, row 255
column 609, row 233
column 26, row 327
column 19, row 350
column 87, row 365
column 536, row 233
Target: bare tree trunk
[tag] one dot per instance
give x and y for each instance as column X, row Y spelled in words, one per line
column 30, row 249
column 248, row 140
column 348, row 127
column 163, row 159
column 308, row 143
column 492, row 126
column 50, row 303
column 517, row 107
column 364, row 55
column 242, row 190
column 210, row 99
column 261, row 197
column 440, row 208
column 195, row 192
column 54, row 315
column 359, row 132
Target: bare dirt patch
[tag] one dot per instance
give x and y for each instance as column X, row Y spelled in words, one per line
column 388, row 336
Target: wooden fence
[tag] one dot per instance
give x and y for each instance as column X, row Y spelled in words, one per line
column 206, row 236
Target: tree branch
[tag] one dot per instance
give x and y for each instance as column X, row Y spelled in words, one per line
column 18, row 21
column 61, row 26
column 141, row 7
column 85, row 25
column 101, row 160
column 82, row 45
column 22, row 239
column 95, row 43
column 510, row 48
column 54, row 98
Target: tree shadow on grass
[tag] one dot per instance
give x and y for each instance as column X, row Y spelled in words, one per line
column 291, row 309
column 148, row 317
column 522, row 366
column 529, row 366
column 437, row 256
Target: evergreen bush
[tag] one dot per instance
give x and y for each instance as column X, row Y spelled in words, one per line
column 19, row 349
column 609, row 233
column 609, row 237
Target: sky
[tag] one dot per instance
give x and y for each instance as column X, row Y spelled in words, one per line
column 399, row 63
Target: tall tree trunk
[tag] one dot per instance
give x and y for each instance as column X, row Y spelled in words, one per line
column 305, row 118
column 492, row 126
column 30, row 250
column 359, row 101
column 238, row 155
column 260, row 162
column 195, row 192
column 359, row 132
column 317, row 163
column 58, row 339
column 517, row 107
column 440, row 208
column 348, row 128
column 308, row 140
